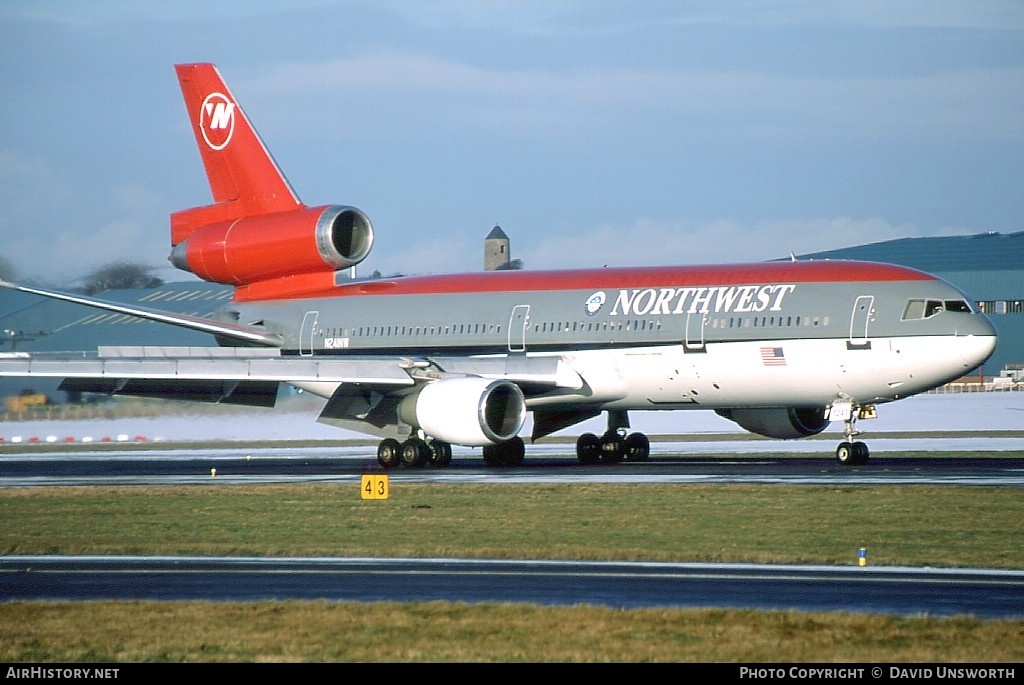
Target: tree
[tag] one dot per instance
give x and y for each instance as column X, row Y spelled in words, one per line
column 120, row 275
column 510, row 265
column 7, row 270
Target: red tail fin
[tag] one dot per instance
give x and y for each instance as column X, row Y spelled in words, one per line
column 257, row 230
column 244, row 178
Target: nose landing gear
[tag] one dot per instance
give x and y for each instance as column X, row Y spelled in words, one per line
column 851, row 452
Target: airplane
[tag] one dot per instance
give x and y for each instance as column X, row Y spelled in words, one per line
column 424, row 362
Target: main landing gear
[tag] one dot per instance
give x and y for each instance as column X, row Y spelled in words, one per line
column 615, row 445
column 508, row 453
column 414, row 452
column 853, row 452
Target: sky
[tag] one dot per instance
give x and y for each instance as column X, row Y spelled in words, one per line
column 594, row 132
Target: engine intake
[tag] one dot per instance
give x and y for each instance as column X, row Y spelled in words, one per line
column 258, row 248
column 467, row 411
column 779, row 422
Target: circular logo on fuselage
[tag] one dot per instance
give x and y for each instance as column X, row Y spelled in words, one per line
column 217, row 120
column 595, row 302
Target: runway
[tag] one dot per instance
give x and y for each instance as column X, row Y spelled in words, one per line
column 987, row 451
column 901, row 591
column 670, row 463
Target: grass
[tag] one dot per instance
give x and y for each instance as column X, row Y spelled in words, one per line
column 914, row 525
column 317, row 631
column 941, row 526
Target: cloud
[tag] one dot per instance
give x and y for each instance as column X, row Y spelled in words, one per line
column 69, row 247
column 600, row 133
column 406, row 94
column 569, row 17
column 449, row 253
column 652, row 243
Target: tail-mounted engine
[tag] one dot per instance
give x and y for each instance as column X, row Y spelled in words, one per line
column 258, row 248
column 779, row 422
column 467, row 411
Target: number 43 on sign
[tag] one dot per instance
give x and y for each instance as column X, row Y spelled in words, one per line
column 375, row 487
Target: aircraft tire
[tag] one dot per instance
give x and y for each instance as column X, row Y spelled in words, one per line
column 515, row 451
column 493, row 455
column 844, row 453
column 861, row 452
column 440, row 453
column 613, row 448
column 588, row 449
column 638, row 447
column 852, row 453
column 389, row 453
column 509, row 453
column 415, row 453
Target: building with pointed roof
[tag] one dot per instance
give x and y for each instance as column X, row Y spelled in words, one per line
column 497, row 249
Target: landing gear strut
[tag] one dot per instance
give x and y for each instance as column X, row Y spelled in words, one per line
column 615, row 445
column 849, row 451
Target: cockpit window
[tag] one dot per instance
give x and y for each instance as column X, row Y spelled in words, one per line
column 958, row 306
column 914, row 310
column 924, row 309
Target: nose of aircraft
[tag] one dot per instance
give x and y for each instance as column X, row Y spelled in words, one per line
column 979, row 341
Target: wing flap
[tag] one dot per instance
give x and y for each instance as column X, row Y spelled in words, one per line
column 248, row 393
column 206, row 364
column 546, row 372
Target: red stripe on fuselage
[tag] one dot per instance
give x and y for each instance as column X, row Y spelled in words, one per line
column 322, row 285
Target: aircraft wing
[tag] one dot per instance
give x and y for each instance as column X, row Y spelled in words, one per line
column 251, row 375
column 251, row 335
column 242, row 375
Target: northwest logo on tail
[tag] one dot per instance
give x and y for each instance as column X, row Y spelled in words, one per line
column 217, row 120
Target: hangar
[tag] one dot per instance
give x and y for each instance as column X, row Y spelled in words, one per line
column 988, row 267
column 29, row 323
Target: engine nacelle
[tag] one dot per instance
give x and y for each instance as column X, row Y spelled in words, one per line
column 779, row 422
column 258, row 248
column 466, row 411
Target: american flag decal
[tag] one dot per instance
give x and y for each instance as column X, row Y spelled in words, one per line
column 772, row 356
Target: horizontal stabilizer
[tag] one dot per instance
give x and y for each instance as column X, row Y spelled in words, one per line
column 250, row 335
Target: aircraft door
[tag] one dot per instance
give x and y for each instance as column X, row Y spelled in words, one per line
column 695, row 332
column 860, row 318
column 517, row 324
column 309, row 322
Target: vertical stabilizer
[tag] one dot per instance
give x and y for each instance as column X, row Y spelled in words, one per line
column 244, row 178
column 256, row 230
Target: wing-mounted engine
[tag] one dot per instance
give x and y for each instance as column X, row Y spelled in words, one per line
column 464, row 401
column 467, row 411
column 779, row 422
column 246, row 250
